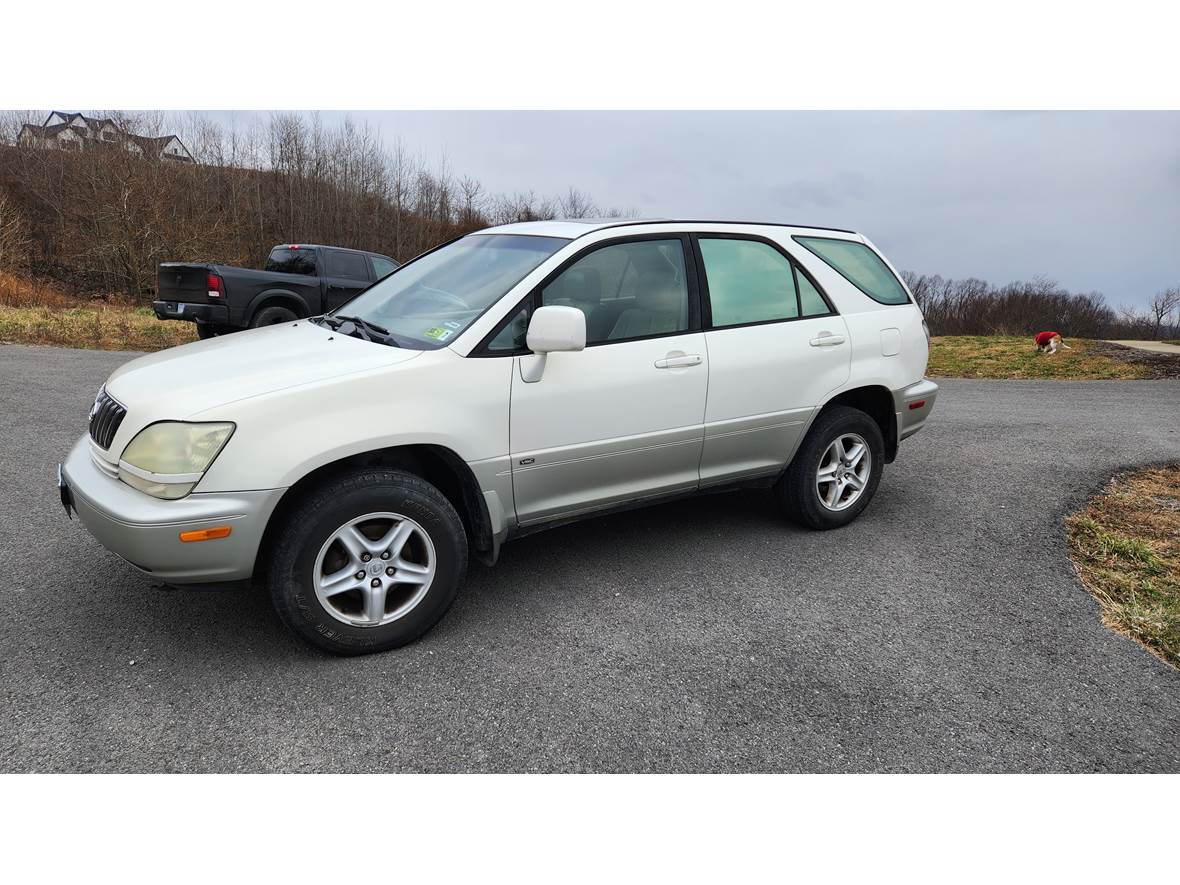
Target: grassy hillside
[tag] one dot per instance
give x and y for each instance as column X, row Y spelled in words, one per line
column 968, row 356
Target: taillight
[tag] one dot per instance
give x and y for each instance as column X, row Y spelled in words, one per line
column 216, row 286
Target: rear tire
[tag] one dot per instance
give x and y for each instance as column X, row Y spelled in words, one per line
column 321, row 585
column 819, row 489
column 273, row 316
column 205, row 331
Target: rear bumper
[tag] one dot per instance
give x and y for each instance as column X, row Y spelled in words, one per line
column 196, row 313
column 912, row 405
column 145, row 531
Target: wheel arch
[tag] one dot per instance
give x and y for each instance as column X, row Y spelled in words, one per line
column 277, row 298
column 876, row 401
column 436, row 464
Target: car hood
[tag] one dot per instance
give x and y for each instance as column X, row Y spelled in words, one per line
column 182, row 381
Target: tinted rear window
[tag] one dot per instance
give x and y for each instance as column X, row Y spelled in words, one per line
column 284, row 260
column 860, row 265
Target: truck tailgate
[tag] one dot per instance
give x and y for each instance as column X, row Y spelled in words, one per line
column 183, row 282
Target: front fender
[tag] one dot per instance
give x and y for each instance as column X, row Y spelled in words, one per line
column 435, row 398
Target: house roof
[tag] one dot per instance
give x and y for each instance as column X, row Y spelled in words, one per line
column 154, row 144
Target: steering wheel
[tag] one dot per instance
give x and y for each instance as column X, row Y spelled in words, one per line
column 449, row 296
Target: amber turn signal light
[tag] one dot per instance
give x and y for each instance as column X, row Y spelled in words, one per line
column 218, row 531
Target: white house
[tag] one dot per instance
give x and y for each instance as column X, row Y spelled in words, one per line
column 77, row 132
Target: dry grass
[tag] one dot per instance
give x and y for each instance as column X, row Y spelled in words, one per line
column 94, row 328
column 17, row 291
column 1126, row 546
column 967, row 356
column 32, row 312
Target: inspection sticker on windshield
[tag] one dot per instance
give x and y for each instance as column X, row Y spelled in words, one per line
column 451, row 324
column 438, row 334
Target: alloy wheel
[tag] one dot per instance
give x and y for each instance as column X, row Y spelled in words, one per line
column 374, row 569
column 843, row 471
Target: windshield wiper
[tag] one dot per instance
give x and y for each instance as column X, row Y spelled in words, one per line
column 363, row 328
column 373, row 327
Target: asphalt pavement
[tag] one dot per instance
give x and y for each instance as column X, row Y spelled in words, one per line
column 945, row 630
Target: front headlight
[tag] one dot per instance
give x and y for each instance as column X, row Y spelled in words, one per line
column 167, row 459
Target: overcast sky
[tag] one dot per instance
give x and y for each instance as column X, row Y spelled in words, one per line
column 1090, row 199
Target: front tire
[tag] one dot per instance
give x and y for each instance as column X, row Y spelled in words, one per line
column 368, row 562
column 835, row 473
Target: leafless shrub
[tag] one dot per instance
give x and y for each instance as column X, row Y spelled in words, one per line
column 975, row 307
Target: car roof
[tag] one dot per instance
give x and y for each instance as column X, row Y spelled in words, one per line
column 572, row 228
column 334, row 248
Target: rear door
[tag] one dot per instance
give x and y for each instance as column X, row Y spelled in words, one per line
column 344, row 275
column 776, row 349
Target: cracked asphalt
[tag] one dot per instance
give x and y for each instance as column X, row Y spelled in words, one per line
column 943, row 631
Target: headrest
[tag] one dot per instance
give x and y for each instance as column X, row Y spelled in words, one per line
column 658, row 291
column 583, row 284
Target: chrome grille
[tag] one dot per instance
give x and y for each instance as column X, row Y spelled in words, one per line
column 105, row 417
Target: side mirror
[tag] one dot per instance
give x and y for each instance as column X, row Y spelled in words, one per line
column 551, row 330
column 554, row 329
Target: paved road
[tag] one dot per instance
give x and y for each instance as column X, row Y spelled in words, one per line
column 1151, row 346
column 944, row 631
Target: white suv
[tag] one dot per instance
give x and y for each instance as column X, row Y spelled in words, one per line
column 508, row 380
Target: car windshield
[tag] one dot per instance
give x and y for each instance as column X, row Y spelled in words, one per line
column 432, row 299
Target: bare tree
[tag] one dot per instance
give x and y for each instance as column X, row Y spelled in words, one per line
column 576, row 204
column 14, row 235
column 1162, row 306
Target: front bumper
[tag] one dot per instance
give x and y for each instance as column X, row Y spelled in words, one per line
column 145, row 531
column 197, row 313
column 913, row 405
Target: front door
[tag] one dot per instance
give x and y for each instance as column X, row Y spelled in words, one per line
column 621, row 420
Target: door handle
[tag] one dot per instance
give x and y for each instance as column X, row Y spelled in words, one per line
column 827, row 339
column 678, row 362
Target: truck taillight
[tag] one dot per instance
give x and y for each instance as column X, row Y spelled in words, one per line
column 216, row 286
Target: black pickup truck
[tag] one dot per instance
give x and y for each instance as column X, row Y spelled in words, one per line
column 298, row 281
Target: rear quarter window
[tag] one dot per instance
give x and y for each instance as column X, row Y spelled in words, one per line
column 286, row 260
column 860, row 265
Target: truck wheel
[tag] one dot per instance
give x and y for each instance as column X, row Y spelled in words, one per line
column 273, row 316
column 837, row 469
column 207, row 330
column 368, row 562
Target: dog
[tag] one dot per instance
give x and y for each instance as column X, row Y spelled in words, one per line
column 1048, row 342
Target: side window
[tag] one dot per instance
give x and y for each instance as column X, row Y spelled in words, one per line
column 350, row 265
column 628, row 290
column 860, row 265
column 749, row 282
column 512, row 337
column 382, row 267
column 284, row 259
column 812, row 302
